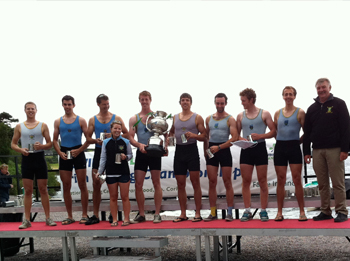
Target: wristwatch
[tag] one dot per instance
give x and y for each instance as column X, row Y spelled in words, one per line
column 219, row 147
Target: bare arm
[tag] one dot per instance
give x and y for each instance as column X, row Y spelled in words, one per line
column 201, row 129
column 239, row 125
column 125, row 131
column 266, row 116
column 56, row 133
column 172, row 129
column 15, row 139
column 206, row 142
column 301, row 119
column 275, row 120
column 90, row 131
column 46, row 135
column 133, row 142
column 171, row 132
column 84, row 128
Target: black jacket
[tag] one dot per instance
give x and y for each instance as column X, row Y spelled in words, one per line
column 5, row 182
column 327, row 125
column 109, row 149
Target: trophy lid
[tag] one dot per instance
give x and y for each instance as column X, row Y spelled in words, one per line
column 161, row 114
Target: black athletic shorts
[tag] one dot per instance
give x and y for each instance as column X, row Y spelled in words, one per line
column 78, row 162
column 34, row 165
column 222, row 157
column 254, row 155
column 186, row 158
column 121, row 179
column 287, row 151
column 142, row 162
column 96, row 159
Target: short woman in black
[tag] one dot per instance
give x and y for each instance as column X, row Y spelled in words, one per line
column 115, row 154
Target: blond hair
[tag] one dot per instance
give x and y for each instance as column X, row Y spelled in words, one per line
column 3, row 166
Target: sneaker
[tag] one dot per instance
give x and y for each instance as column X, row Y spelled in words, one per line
column 247, row 216
column 138, row 219
column 92, row 220
column 157, row 219
column 50, row 222
column 264, row 216
column 210, row 218
column 25, row 224
column 229, row 217
column 341, row 218
column 322, row 216
column 110, row 218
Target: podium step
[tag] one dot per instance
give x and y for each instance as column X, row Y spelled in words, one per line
column 136, row 242
column 121, row 258
column 128, row 242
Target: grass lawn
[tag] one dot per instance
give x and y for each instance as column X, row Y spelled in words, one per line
column 54, row 166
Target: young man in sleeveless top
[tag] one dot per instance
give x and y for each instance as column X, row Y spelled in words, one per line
column 288, row 122
column 33, row 162
column 71, row 127
column 219, row 127
column 100, row 123
column 143, row 162
column 187, row 124
column 253, row 121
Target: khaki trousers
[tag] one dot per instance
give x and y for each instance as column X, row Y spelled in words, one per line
column 327, row 165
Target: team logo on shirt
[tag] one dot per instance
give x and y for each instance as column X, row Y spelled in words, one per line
column 329, row 109
column 183, row 128
column 105, row 131
column 251, row 127
column 121, row 147
column 31, row 137
column 69, row 130
column 286, row 122
column 216, row 125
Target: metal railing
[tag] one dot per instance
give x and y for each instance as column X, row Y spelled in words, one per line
column 18, row 176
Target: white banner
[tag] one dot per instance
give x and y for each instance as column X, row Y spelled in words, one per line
column 168, row 181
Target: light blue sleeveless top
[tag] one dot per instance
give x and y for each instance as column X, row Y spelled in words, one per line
column 142, row 133
column 102, row 127
column 219, row 129
column 288, row 128
column 30, row 136
column 70, row 133
column 256, row 125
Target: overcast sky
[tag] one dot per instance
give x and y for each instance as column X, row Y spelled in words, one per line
column 50, row 49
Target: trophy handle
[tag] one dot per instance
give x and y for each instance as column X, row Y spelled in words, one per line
column 150, row 114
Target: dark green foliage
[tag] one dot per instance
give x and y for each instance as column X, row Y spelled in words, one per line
column 6, row 133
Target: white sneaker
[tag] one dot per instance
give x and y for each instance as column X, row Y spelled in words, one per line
column 25, row 224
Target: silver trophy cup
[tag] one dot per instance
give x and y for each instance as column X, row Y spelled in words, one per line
column 118, row 158
column 69, row 155
column 30, row 147
column 156, row 123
